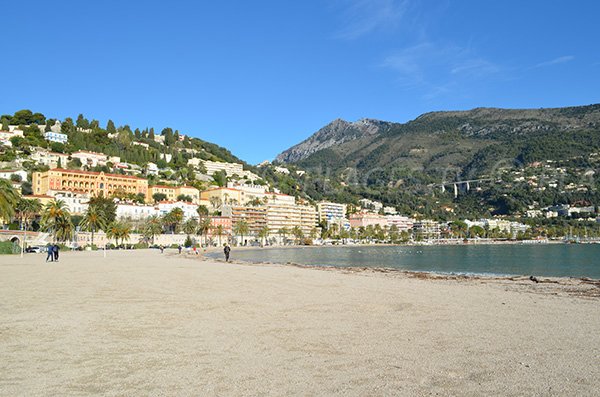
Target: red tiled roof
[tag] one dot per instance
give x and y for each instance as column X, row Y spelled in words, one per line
column 97, row 173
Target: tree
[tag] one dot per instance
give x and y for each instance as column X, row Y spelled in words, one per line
column 189, row 227
column 118, row 230
column 202, row 210
column 220, row 178
column 263, row 233
column 204, row 226
column 152, row 226
column 219, row 231
column 106, row 207
column 27, row 210
column 173, row 219
column 110, row 127
column 82, row 122
column 297, row 233
column 93, row 220
column 283, row 232
column 184, row 197
column 4, row 123
column 67, row 126
column 241, row 228
column 56, row 220
column 9, row 198
column 158, row 197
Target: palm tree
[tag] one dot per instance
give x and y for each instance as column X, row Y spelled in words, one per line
column 297, row 233
column 190, row 226
column 27, row 210
column 283, row 232
column 241, row 228
column 152, row 226
column 112, row 231
column 263, row 233
column 173, row 219
column 123, row 232
column 56, row 219
column 204, row 227
column 219, row 231
column 9, row 198
column 93, row 220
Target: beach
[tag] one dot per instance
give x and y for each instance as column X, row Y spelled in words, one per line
column 145, row 323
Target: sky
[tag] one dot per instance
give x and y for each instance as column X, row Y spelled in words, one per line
column 260, row 76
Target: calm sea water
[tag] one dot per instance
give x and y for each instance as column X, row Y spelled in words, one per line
column 553, row 260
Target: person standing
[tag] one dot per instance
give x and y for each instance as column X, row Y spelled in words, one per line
column 179, row 248
column 55, row 251
column 50, row 253
column 226, row 251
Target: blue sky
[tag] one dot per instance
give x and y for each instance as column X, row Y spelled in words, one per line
column 260, row 76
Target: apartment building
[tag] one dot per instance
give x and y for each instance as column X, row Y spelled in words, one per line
column 364, row 219
column 255, row 217
column 56, row 137
column 403, row 223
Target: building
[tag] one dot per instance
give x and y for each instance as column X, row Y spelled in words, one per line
column 255, row 217
column 222, row 196
column 92, row 183
column 50, row 159
column 151, row 169
column 226, row 225
column 374, row 206
column 402, row 223
column 189, row 210
column 328, row 210
column 7, row 174
column 77, row 203
column 90, row 159
column 287, row 216
column 56, row 137
column 426, row 229
column 135, row 211
column 364, row 219
column 173, row 192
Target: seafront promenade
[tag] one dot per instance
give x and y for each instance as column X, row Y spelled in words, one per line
column 142, row 323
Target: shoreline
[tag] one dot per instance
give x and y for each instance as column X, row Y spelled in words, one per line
column 574, row 286
column 383, row 269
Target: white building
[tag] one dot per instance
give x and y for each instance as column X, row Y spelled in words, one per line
column 90, row 159
column 50, row 159
column 77, row 203
column 6, row 174
column 403, row 223
column 56, row 137
column 333, row 213
column 151, row 169
column 189, row 209
column 135, row 211
column 371, row 205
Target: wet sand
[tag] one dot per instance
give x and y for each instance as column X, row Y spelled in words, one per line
column 142, row 323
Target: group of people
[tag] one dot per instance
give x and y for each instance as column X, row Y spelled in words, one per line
column 52, row 250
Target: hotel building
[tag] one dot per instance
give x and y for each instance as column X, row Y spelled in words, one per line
column 92, row 183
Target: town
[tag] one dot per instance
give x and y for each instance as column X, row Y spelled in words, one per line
column 143, row 202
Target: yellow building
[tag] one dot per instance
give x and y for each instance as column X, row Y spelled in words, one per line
column 172, row 192
column 222, row 196
column 92, row 183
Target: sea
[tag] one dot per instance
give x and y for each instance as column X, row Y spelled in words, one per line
column 550, row 260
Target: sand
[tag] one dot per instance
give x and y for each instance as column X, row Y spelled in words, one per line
column 142, row 323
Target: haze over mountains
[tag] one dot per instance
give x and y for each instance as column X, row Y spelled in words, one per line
column 472, row 141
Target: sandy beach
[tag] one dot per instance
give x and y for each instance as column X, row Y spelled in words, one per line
column 145, row 324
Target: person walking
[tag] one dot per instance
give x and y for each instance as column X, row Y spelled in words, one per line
column 55, row 252
column 50, row 252
column 179, row 248
column 226, row 251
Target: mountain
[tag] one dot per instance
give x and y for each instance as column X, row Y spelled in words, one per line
column 333, row 134
column 468, row 142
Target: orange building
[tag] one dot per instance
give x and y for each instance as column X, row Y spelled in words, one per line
column 89, row 182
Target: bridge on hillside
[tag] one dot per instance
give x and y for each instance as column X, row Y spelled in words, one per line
column 456, row 185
